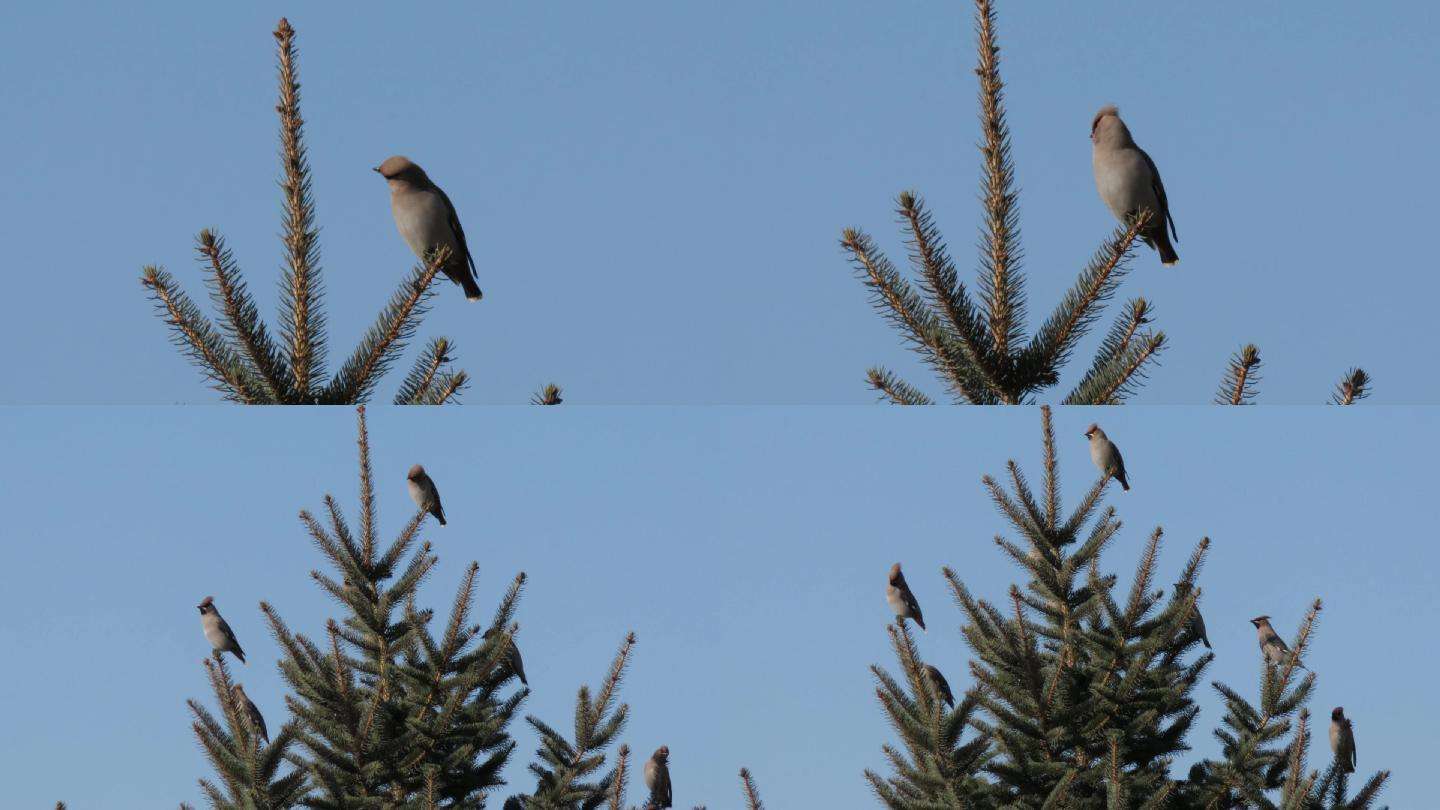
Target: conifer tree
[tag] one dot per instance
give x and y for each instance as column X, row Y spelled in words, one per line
column 387, row 709
column 244, row 360
column 249, row 768
column 976, row 342
column 1082, row 693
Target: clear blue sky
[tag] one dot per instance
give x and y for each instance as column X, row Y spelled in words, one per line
column 654, row 191
column 747, row 548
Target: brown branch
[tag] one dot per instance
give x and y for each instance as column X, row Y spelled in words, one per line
column 752, row 796
column 304, row 323
column 244, row 321
column 1154, row 344
column 193, row 329
column 999, row 196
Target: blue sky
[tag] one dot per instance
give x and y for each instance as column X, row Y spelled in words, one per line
column 655, row 191
column 747, row 548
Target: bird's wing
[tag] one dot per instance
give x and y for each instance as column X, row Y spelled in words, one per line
column 910, row 601
column 1354, row 754
column 1119, row 459
column 1159, row 188
column 460, row 232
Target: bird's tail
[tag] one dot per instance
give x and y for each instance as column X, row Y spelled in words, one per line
column 472, row 293
column 1168, row 256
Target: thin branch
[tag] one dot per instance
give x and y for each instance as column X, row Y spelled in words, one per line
column 242, row 322
column 195, row 335
column 1052, row 344
column 752, row 796
column 942, row 284
column 895, row 389
column 893, row 297
column 387, row 337
column 1353, row 387
column 1242, row 377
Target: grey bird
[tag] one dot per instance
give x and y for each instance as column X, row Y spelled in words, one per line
column 217, row 632
column 1342, row 740
column 1196, row 625
column 657, row 778
column 942, row 686
column 1274, row 648
column 512, row 657
column 1106, row 456
column 257, row 721
column 1128, row 181
column 426, row 219
column 424, row 493
column 902, row 601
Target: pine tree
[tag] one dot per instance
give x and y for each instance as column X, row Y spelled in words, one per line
column 976, row 344
column 387, row 710
column 249, row 768
column 565, row 767
column 1082, row 693
column 245, row 361
column 1259, row 760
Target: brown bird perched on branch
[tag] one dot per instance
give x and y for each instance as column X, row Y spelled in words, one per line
column 217, row 631
column 1129, row 183
column 1106, row 455
column 657, row 778
column 942, row 686
column 424, row 493
column 426, row 220
column 902, row 601
column 1274, row 648
column 1342, row 740
column 257, row 721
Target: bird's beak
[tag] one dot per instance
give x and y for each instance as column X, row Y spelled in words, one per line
column 375, row 169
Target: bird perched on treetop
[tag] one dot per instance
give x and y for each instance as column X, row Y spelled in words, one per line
column 426, row 220
column 942, row 686
column 512, row 654
column 256, row 719
column 1274, row 648
column 424, row 493
column 1342, row 740
column 902, row 601
column 217, row 632
column 1106, row 455
column 1128, row 181
column 1196, row 624
column 657, row 778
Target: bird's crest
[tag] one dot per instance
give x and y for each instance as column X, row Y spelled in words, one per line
column 1108, row 109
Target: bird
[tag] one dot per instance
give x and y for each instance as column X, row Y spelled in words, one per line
column 1106, row 455
column 256, row 720
column 902, row 601
column 512, row 657
column 1272, row 646
column 426, row 220
column 424, row 493
column 657, row 778
column 1128, row 181
column 217, row 632
column 1342, row 740
column 1196, row 625
column 942, row 686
